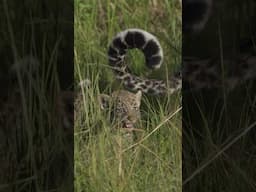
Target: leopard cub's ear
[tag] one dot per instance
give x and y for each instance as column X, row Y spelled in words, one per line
column 104, row 101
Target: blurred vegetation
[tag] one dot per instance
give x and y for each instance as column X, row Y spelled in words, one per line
column 35, row 150
column 219, row 126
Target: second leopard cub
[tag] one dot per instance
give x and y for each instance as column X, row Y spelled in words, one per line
column 124, row 107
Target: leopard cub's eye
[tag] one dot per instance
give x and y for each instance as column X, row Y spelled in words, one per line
column 136, row 108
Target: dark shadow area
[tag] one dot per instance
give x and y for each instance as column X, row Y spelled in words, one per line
column 36, row 98
column 219, row 114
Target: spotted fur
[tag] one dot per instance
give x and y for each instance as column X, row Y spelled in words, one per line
column 152, row 50
column 199, row 73
column 214, row 73
column 124, row 106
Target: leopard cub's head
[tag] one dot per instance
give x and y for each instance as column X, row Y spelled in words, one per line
column 124, row 106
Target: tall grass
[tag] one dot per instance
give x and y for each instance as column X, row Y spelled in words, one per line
column 219, row 125
column 103, row 159
column 34, row 147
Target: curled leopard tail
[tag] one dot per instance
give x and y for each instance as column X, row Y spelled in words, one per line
column 153, row 53
column 195, row 15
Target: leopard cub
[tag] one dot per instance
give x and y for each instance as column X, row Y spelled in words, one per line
column 124, row 108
